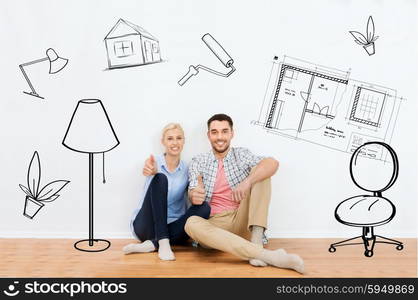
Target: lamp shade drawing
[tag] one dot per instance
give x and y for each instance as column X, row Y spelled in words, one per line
column 90, row 131
column 56, row 64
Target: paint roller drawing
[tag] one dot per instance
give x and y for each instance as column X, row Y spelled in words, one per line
column 219, row 52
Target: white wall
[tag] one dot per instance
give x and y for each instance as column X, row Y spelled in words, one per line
column 141, row 100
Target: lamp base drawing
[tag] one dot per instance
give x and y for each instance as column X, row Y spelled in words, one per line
column 94, row 245
column 33, row 94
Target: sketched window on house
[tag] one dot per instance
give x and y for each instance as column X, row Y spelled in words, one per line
column 155, row 48
column 155, row 52
column 123, row 48
column 148, row 52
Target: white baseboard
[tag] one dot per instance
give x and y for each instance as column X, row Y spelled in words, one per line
column 128, row 235
column 347, row 233
column 64, row 235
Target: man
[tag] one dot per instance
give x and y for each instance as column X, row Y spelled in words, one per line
column 236, row 183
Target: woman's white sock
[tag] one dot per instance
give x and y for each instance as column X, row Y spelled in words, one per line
column 164, row 250
column 143, row 247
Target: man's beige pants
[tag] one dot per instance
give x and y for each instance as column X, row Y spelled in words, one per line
column 229, row 231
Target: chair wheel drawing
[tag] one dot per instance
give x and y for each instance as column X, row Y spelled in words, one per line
column 369, row 211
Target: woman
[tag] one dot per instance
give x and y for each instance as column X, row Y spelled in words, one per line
column 162, row 213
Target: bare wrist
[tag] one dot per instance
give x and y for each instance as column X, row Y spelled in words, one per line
column 249, row 180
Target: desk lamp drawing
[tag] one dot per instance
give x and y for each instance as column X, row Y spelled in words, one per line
column 219, row 52
column 56, row 64
column 91, row 132
column 369, row 211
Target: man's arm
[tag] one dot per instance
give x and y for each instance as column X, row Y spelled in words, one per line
column 266, row 168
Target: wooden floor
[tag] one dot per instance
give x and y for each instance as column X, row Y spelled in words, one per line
column 58, row 258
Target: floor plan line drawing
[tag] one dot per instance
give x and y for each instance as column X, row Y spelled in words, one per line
column 305, row 95
column 389, row 111
column 366, row 108
column 324, row 106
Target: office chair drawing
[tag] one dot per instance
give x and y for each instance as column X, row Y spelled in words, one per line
column 369, row 211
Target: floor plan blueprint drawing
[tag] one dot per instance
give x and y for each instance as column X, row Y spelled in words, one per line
column 323, row 105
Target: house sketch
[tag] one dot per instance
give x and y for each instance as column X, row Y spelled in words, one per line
column 323, row 105
column 129, row 45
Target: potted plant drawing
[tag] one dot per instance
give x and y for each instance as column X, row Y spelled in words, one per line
column 37, row 196
column 367, row 41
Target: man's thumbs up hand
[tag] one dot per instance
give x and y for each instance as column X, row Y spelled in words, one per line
column 200, row 181
column 198, row 193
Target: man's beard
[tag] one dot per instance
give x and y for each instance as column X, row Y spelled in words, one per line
column 221, row 151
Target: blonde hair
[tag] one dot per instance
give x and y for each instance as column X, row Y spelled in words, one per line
column 171, row 126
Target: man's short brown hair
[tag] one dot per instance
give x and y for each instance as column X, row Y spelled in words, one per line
column 221, row 117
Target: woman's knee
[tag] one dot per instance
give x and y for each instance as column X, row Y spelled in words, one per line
column 204, row 210
column 157, row 189
column 159, row 178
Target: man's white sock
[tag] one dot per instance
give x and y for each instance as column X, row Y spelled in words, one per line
column 279, row 258
column 257, row 234
column 257, row 238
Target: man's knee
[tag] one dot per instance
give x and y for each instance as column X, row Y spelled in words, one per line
column 265, row 182
column 191, row 223
column 263, row 186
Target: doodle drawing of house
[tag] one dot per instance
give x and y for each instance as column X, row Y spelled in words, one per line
column 129, row 45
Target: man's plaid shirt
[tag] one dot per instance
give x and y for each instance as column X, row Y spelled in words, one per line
column 237, row 164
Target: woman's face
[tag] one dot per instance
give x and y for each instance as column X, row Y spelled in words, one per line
column 173, row 141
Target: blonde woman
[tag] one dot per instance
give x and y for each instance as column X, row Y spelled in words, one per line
column 160, row 217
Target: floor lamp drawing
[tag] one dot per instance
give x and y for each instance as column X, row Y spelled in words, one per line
column 56, row 64
column 90, row 131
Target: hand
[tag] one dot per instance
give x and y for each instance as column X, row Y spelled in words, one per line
column 198, row 193
column 150, row 167
column 241, row 191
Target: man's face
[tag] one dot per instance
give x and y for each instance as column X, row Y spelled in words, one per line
column 220, row 135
